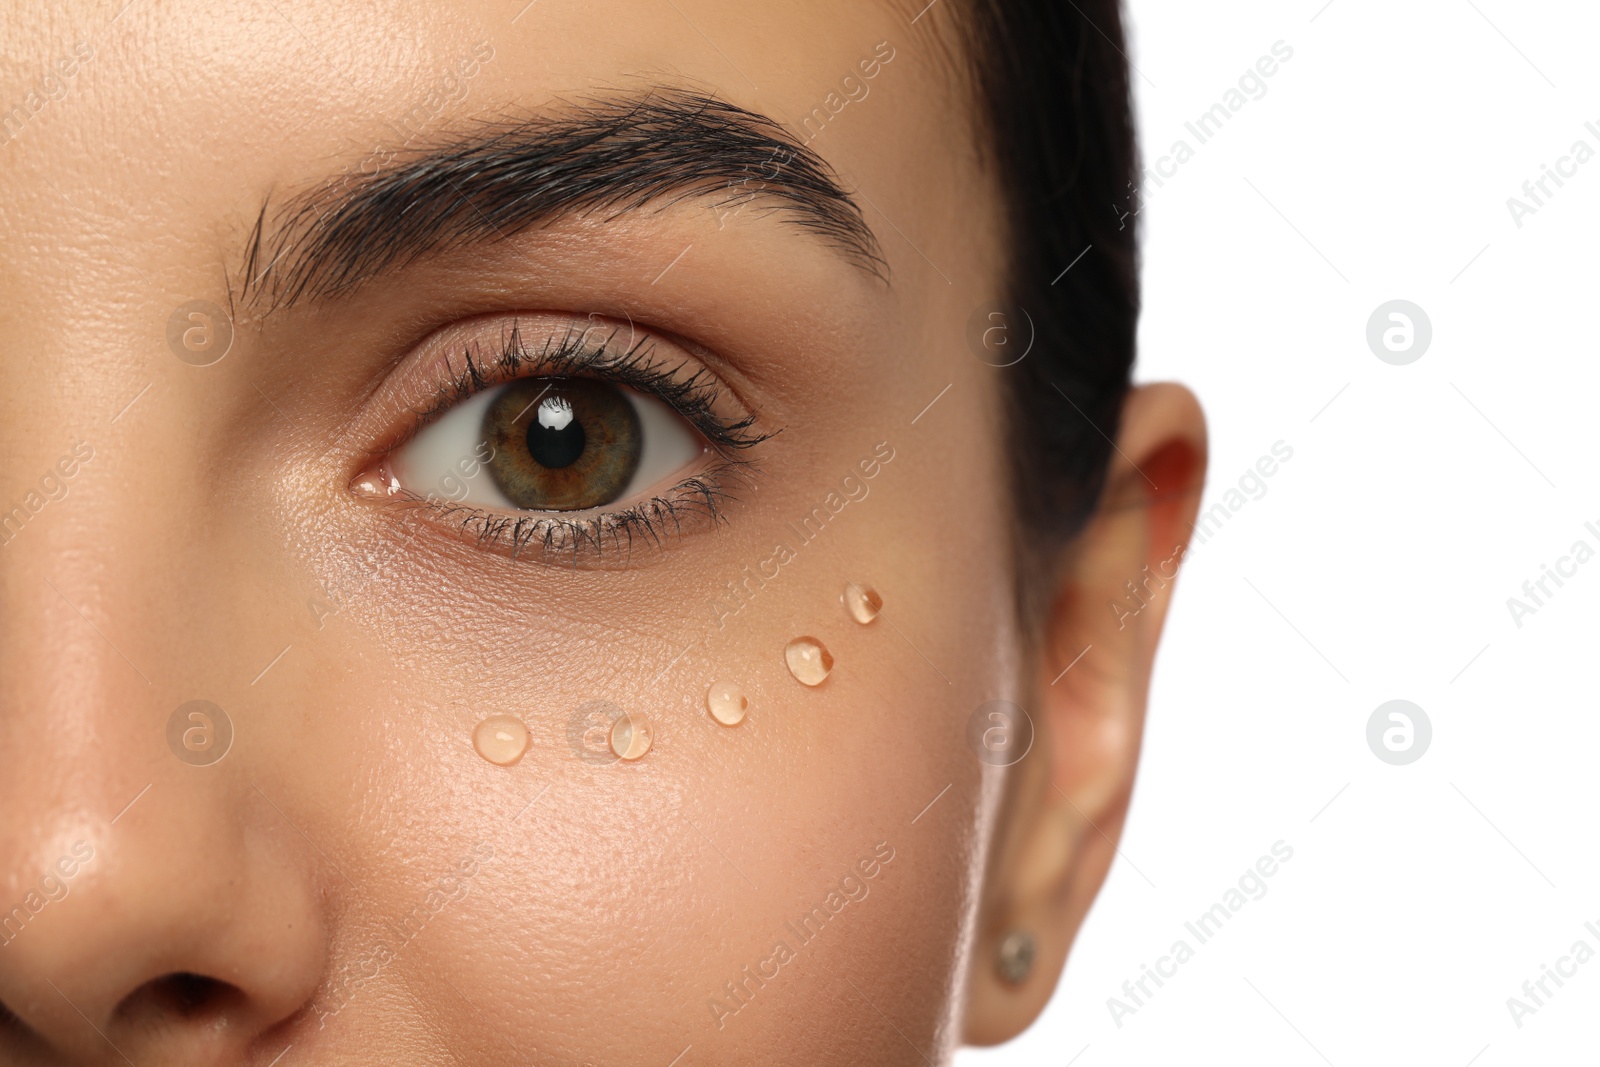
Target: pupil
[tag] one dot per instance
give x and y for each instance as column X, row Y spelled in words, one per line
column 555, row 437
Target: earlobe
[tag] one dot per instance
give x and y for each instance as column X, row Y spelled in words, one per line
column 1067, row 799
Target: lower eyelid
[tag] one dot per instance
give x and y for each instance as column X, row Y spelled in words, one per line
column 576, row 538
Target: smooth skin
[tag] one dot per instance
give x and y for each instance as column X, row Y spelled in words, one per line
column 351, row 883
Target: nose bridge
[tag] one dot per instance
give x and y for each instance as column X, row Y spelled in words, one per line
column 116, row 603
column 75, row 709
column 80, row 681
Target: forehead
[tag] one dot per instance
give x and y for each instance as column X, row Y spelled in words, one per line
column 153, row 128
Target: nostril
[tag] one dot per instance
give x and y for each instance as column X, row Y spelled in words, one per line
column 19, row 1043
column 191, row 994
column 180, row 995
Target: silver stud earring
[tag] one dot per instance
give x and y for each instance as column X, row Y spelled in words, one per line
column 1016, row 955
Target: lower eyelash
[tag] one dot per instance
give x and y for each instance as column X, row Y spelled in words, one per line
column 699, row 498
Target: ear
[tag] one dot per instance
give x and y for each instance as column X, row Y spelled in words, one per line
column 1067, row 798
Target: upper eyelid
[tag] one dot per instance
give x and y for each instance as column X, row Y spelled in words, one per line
column 632, row 326
column 486, row 362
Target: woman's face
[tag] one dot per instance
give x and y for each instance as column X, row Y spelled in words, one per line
column 299, row 515
column 372, row 888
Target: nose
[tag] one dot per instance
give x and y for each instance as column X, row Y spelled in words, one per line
column 155, row 906
column 168, row 937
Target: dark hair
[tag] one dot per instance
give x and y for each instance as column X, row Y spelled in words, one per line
column 1055, row 119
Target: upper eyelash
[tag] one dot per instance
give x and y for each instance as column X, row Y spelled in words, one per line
column 693, row 396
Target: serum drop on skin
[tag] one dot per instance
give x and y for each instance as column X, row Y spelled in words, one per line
column 501, row 739
column 727, row 703
column 808, row 660
column 630, row 737
column 862, row 602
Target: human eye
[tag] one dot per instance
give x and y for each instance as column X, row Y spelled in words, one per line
column 568, row 440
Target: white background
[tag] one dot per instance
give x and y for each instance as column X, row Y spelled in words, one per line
column 1379, row 562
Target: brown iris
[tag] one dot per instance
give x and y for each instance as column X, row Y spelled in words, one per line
column 562, row 444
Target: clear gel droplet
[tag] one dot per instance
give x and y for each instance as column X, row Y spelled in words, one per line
column 501, row 739
column 630, row 737
column 862, row 602
column 727, row 703
column 808, row 661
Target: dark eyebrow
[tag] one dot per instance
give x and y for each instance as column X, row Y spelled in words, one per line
column 610, row 155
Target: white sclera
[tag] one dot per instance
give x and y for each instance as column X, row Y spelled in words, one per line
column 438, row 460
